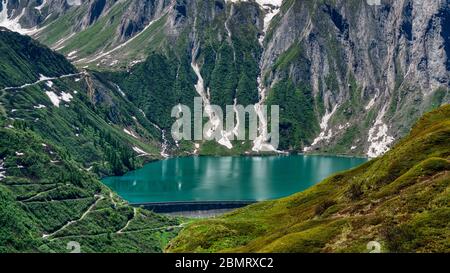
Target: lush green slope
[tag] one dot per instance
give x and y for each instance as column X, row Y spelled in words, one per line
column 23, row 59
column 48, row 200
column 57, row 135
column 79, row 111
column 400, row 200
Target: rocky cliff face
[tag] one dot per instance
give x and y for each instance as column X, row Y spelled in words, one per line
column 350, row 77
column 373, row 69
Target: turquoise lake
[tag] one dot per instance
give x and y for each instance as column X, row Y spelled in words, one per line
column 226, row 178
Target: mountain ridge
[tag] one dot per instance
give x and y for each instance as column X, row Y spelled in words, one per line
column 356, row 75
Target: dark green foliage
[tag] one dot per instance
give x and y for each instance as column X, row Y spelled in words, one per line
column 90, row 126
column 16, row 231
column 223, row 78
column 64, row 192
column 157, row 85
column 52, row 156
column 298, row 123
column 23, row 59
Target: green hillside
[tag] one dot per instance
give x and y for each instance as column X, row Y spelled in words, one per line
column 78, row 110
column 48, row 200
column 400, row 200
column 60, row 131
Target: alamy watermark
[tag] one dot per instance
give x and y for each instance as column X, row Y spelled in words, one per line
column 189, row 125
column 74, row 247
column 374, row 247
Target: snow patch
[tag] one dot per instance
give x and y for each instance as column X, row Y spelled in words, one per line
column 373, row 100
column 13, row 24
column 72, row 53
column 213, row 118
column 326, row 134
column 135, row 62
column 59, row 44
column 43, row 78
column 378, row 138
column 56, row 100
column 74, row 2
column 53, row 98
column 40, row 106
column 370, row 104
column 39, row 8
column 128, row 132
column 67, row 97
column 2, row 170
column 271, row 8
column 140, row 151
column 120, row 90
column 343, row 127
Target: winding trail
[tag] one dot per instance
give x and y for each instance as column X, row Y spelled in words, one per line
column 135, row 212
column 30, row 199
column 99, row 198
column 125, row 232
column 43, row 78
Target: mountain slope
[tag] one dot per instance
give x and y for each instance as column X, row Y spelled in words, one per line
column 370, row 70
column 47, row 200
column 349, row 77
column 400, row 200
column 60, row 130
column 80, row 111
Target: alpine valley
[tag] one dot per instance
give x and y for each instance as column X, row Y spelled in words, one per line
column 87, row 89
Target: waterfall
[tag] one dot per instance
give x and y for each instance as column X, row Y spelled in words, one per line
column 165, row 144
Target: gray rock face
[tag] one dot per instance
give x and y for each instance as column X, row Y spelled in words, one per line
column 31, row 13
column 395, row 52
